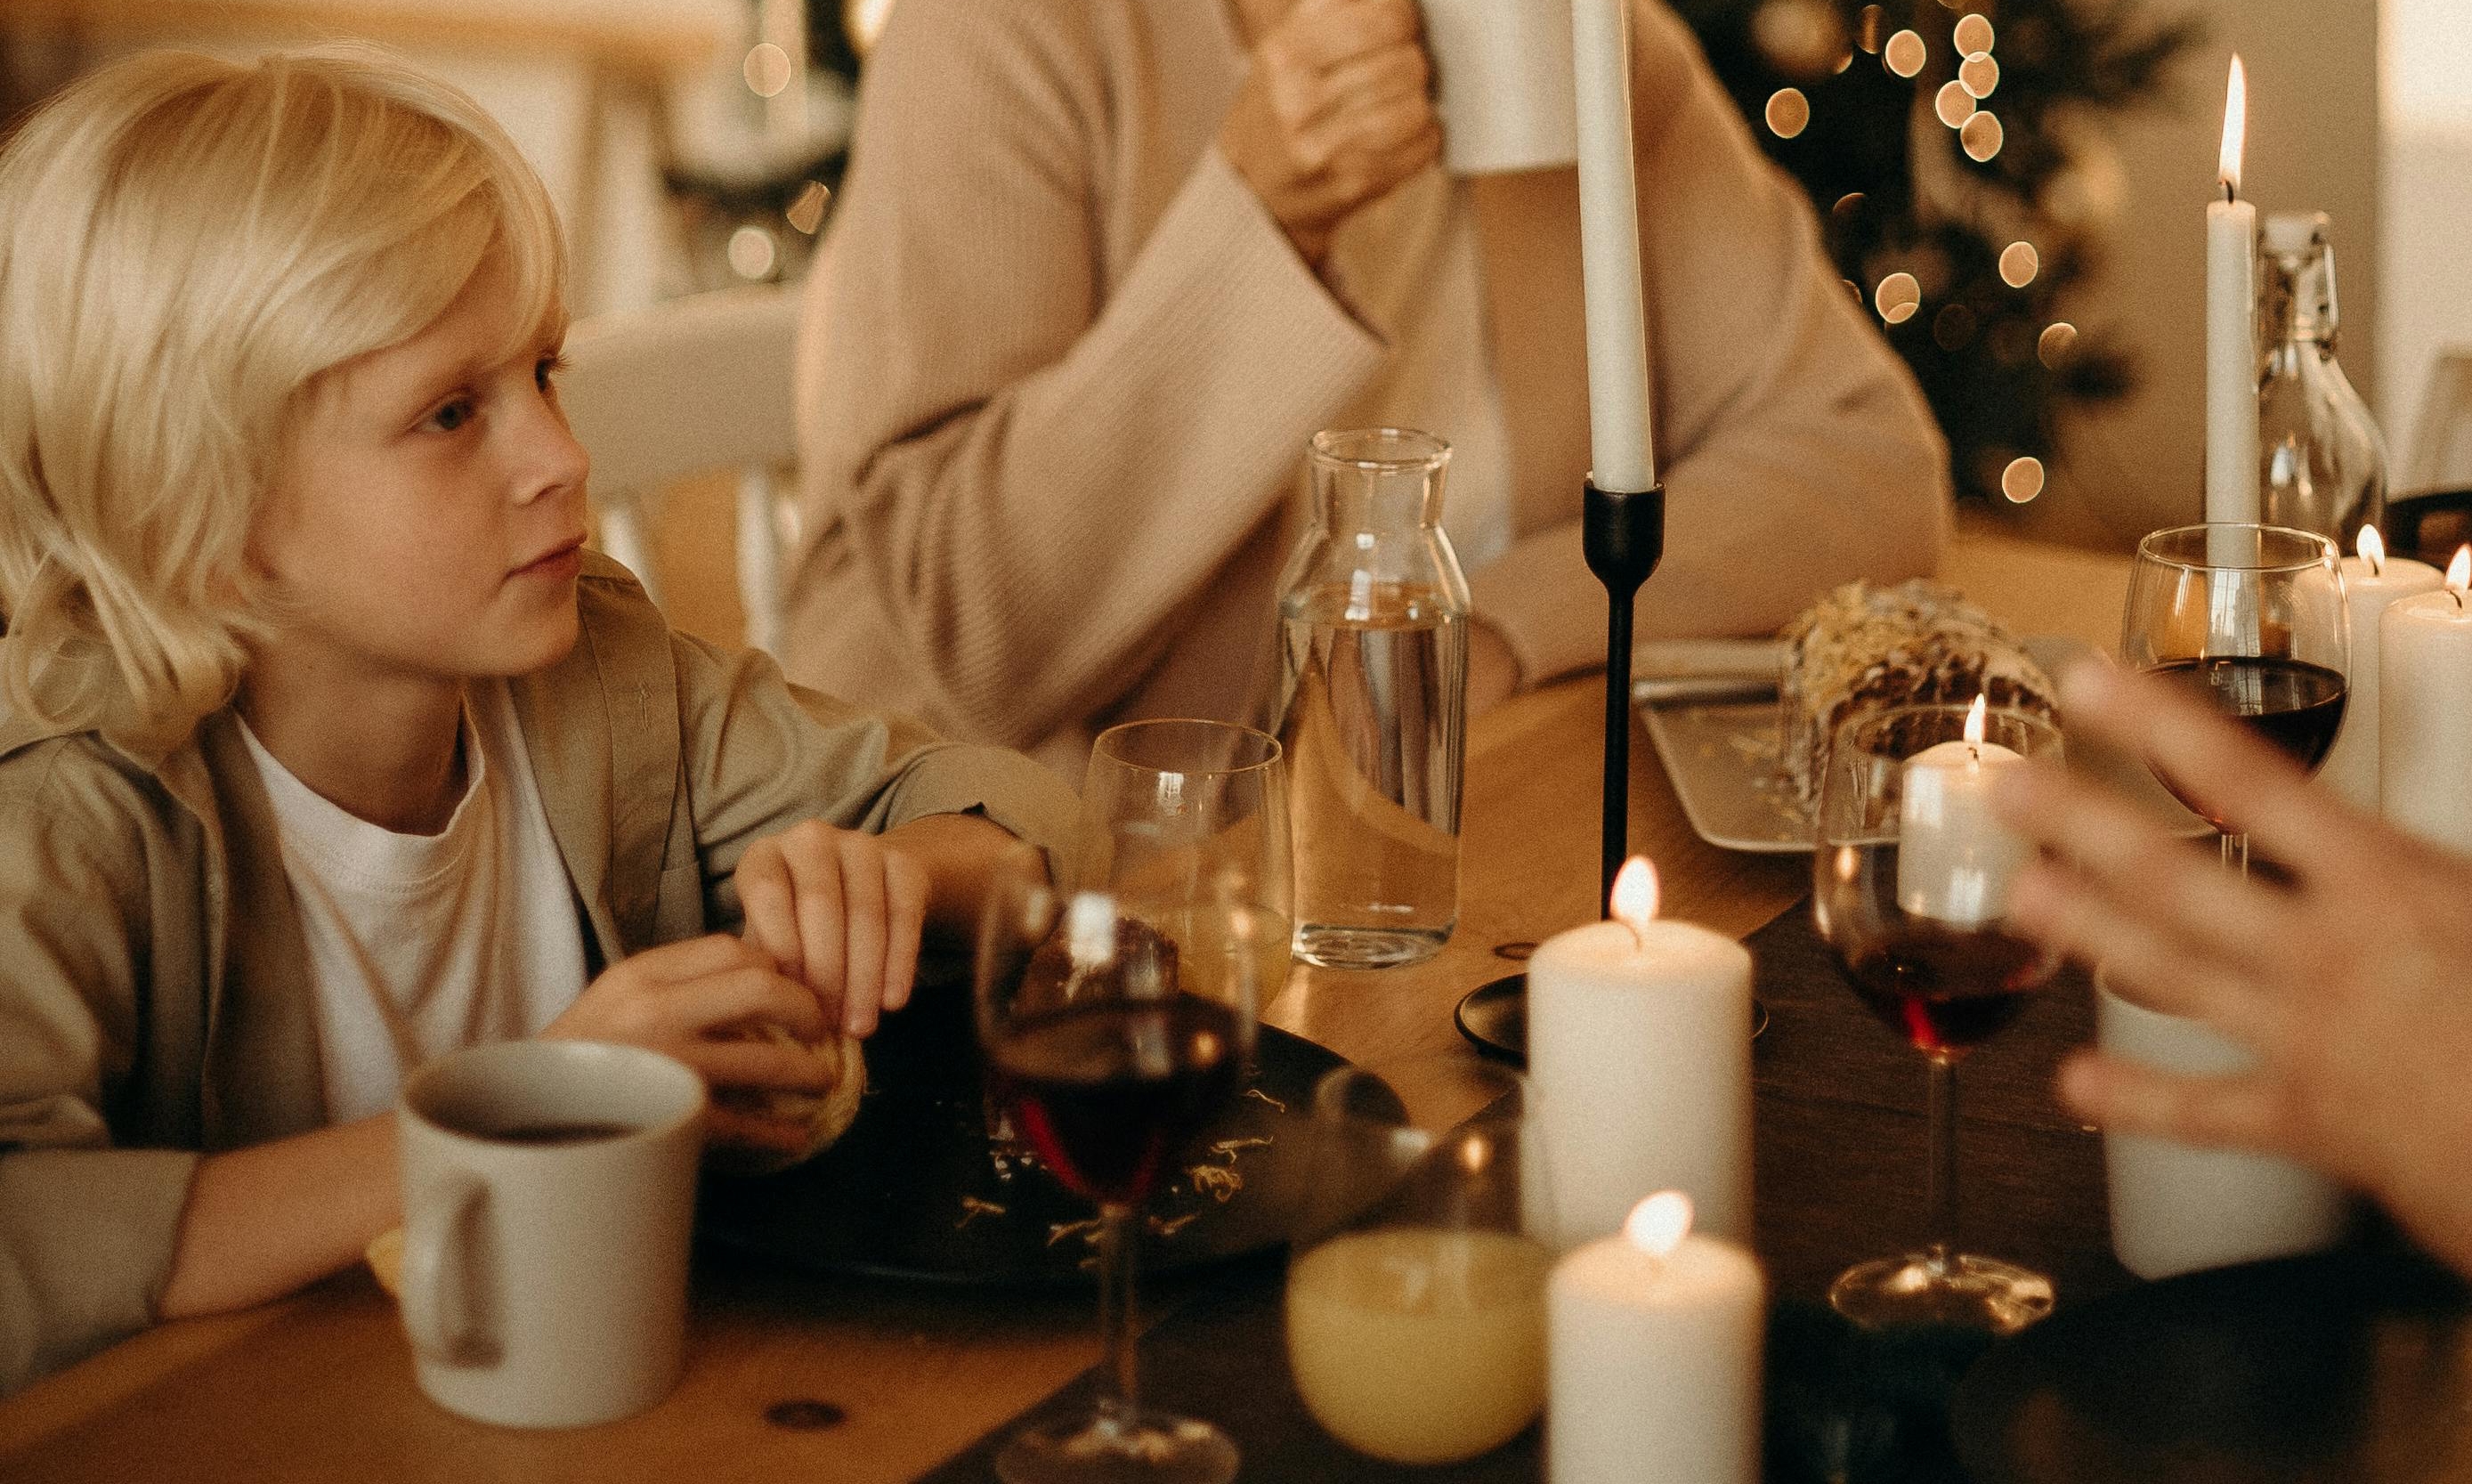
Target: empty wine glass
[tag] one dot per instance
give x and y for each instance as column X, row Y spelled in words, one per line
column 2252, row 619
column 1911, row 882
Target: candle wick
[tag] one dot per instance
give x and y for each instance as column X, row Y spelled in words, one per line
column 2231, row 192
column 2457, row 597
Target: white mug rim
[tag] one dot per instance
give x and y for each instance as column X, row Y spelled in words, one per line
column 641, row 1060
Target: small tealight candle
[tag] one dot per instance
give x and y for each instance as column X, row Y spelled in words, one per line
column 1955, row 859
column 1639, row 1058
column 2371, row 581
column 1653, row 1351
column 2425, row 712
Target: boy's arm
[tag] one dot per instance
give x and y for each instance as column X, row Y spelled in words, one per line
column 761, row 755
column 264, row 1221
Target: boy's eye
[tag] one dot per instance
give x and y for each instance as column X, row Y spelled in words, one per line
column 454, row 415
column 546, row 370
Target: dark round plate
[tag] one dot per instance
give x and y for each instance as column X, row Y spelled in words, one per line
column 2346, row 1366
column 1494, row 1018
column 916, row 1190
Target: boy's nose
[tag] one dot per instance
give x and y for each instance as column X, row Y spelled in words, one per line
column 555, row 464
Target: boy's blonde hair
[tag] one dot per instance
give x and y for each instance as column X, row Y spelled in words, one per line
column 185, row 245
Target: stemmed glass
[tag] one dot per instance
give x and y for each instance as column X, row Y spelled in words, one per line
column 1910, row 883
column 1117, row 1016
column 2252, row 618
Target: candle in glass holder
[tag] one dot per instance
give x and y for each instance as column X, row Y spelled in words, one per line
column 1653, row 1347
column 2425, row 712
column 1639, row 1051
column 2371, row 581
column 1421, row 1345
column 1955, row 859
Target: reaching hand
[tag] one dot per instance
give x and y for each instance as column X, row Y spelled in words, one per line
column 842, row 912
column 693, row 1000
column 1334, row 113
column 2348, row 981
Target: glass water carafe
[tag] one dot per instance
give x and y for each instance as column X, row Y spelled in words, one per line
column 2323, row 467
column 1373, row 703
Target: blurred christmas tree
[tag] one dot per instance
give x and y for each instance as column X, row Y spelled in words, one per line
column 1956, row 152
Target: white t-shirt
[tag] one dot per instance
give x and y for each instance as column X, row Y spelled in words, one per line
column 419, row 945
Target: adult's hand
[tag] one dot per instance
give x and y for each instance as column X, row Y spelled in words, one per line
column 1335, row 113
column 2347, row 980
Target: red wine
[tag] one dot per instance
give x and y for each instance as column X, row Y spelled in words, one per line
column 2295, row 705
column 1946, row 989
column 1109, row 1092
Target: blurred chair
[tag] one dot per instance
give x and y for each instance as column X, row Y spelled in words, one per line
column 688, row 387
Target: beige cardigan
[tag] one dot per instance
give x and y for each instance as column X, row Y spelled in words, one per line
column 1059, row 368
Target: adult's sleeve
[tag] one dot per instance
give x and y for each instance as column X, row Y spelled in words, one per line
column 1036, row 465
column 1795, row 449
column 87, row 1230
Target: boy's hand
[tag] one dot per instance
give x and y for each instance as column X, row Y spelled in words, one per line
column 840, row 912
column 692, row 1000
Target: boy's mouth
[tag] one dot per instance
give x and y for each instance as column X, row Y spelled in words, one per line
column 556, row 560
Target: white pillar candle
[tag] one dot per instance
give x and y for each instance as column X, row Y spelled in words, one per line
column 1652, row 1354
column 2370, row 582
column 1619, row 456
column 2231, row 327
column 2425, row 712
column 1639, row 1058
column 1955, row 859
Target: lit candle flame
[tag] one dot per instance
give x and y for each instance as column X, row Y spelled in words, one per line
column 2235, row 128
column 2458, row 572
column 1634, row 897
column 1657, row 1225
column 2373, row 550
column 1977, row 716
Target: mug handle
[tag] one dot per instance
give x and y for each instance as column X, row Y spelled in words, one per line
column 434, row 1258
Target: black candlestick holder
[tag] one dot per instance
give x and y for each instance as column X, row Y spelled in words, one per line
column 1623, row 537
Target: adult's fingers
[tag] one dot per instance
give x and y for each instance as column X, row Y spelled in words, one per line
column 863, row 932
column 2158, row 969
column 2142, row 870
column 1319, row 35
column 2220, row 766
column 2244, row 1111
column 1392, row 72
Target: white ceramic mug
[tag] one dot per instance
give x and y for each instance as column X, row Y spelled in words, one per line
column 1503, row 84
column 548, row 1199
column 2176, row 1209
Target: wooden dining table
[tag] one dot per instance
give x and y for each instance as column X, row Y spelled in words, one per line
column 796, row 1376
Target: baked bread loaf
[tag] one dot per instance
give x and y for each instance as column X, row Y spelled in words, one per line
column 827, row 1114
column 1866, row 646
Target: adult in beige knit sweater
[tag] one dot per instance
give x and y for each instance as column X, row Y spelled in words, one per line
column 1102, row 267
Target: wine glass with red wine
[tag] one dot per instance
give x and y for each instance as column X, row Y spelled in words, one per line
column 1910, row 880
column 1116, row 1016
column 2252, row 620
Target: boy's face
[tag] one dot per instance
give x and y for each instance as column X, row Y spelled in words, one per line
column 429, row 513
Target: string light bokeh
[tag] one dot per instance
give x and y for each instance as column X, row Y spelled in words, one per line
column 1965, row 186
